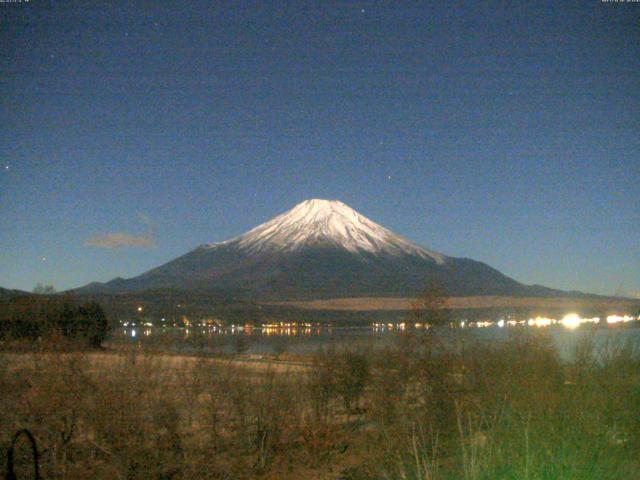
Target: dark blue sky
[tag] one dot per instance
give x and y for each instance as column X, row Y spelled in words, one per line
column 507, row 132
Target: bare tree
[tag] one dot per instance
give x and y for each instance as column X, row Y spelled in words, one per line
column 44, row 289
column 430, row 306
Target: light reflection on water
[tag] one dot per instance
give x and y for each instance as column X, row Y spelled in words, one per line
column 565, row 333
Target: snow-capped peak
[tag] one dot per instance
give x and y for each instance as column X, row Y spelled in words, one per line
column 326, row 222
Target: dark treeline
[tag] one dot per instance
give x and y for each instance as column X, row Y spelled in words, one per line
column 33, row 317
column 173, row 305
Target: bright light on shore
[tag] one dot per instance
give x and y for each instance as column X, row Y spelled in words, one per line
column 619, row 318
column 541, row 322
column 571, row 321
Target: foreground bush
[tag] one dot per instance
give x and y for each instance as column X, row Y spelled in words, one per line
column 520, row 413
column 418, row 410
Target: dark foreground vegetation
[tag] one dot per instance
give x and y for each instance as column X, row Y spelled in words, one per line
column 505, row 411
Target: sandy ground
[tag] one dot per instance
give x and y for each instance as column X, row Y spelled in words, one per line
column 387, row 303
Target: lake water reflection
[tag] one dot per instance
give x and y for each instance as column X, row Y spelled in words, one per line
column 305, row 339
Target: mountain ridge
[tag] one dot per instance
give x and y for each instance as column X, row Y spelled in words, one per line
column 321, row 249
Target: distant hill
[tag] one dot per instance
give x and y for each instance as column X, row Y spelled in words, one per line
column 6, row 293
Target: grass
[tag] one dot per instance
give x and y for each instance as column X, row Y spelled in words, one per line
column 511, row 410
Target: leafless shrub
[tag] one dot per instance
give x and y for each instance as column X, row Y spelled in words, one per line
column 505, row 410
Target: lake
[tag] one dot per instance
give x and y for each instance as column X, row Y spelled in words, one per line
column 306, row 339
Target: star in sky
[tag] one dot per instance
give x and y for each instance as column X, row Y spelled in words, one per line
column 413, row 75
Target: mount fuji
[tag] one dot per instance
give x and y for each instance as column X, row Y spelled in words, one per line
column 320, row 249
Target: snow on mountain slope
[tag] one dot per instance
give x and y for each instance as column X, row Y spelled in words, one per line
column 317, row 250
column 325, row 222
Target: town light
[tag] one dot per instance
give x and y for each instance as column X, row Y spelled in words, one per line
column 572, row 321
